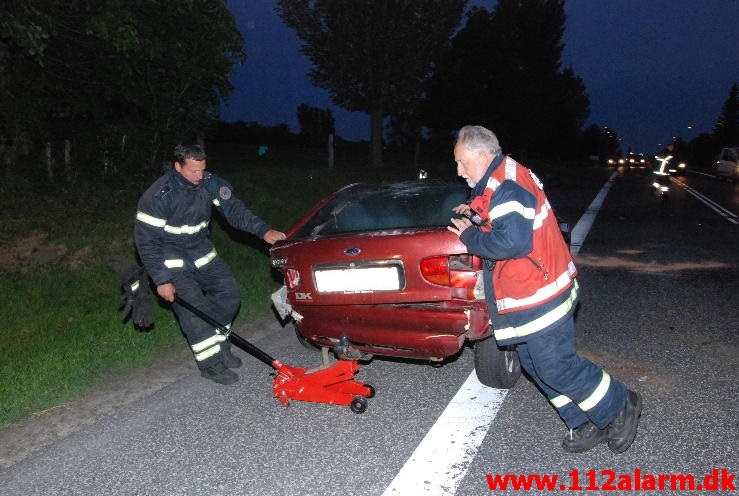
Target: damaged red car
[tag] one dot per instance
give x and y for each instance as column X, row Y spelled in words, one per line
column 375, row 263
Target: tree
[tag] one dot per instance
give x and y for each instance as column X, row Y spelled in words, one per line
column 727, row 127
column 24, row 32
column 124, row 79
column 372, row 55
column 610, row 144
column 315, row 124
column 702, row 149
column 172, row 61
column 591, row 142
column 25, row 26
column 503, row 70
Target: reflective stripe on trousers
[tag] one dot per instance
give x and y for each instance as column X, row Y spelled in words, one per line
column 208, row 347
column 589, row 402
column 579, row 389
column 178, row 263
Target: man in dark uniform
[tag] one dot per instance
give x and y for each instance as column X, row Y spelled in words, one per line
column 663, row 163
column 172, row 238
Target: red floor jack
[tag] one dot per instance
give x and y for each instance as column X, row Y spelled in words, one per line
column 332, row 382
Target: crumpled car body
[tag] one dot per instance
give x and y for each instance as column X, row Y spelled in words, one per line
column 375, row 262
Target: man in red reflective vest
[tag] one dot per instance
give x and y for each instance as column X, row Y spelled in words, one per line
column 531, row 290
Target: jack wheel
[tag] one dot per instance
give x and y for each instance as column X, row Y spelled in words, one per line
column 358, row 405
column 371, row 391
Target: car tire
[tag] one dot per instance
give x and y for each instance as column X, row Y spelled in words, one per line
column 496, row 367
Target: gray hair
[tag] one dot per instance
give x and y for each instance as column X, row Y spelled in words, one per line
column 479, row 138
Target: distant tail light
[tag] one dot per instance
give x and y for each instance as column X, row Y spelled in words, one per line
column 460, row 272
column 292, row 278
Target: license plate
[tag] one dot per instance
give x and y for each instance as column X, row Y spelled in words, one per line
column 357, row 280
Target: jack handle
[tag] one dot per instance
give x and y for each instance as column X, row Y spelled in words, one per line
column 231, row 336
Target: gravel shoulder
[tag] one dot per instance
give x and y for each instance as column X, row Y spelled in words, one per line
column 20, row 440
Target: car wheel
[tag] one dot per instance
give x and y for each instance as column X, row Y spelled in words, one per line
column 496, row 367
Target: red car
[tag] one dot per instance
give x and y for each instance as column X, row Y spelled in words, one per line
column 376, row 263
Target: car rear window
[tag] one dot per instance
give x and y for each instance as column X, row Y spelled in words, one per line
column 373, row 207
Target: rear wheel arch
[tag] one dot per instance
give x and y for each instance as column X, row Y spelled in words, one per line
column 302, row 339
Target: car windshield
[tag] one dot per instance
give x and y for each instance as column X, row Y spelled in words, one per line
column 373, row 207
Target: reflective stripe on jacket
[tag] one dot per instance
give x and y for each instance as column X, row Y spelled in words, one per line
column 171, row 229
column 547, row 270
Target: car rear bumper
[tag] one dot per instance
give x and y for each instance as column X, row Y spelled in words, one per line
column 425, row 331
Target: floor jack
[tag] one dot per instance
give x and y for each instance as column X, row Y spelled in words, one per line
column 332, row 383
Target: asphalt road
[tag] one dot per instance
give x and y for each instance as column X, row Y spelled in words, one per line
column 660, row 280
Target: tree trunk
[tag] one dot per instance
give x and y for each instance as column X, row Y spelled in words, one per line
column 330, row 151
column 376, row 154
column 4, row 155
column 123, row 147
column 154, row 148
column 68, row 159
column 106, row 157
column 49, row 163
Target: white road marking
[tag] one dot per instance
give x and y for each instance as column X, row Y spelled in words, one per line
column 440, row 462
column 723, row 212
column 581, row 229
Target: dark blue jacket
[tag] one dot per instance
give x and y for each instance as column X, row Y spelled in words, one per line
column 171, row 229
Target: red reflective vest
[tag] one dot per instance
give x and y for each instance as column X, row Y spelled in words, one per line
column 545, row 272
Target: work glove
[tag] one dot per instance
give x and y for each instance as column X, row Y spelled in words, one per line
column 136, row 305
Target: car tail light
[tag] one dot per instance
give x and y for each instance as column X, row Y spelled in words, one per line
column 292, row 278
column 459, row 272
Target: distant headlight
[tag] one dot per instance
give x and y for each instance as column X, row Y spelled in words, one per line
column 682, row 165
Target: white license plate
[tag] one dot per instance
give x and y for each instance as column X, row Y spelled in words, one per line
column 356, row 280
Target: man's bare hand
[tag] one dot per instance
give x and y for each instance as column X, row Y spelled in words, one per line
column 459, row 225
column 272, row 236
column 166, row 292
column 462, row 209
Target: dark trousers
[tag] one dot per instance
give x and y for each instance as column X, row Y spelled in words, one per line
column 213, row 289
column 574, row 385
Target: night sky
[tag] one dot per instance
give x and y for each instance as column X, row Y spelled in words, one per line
column 653, row 69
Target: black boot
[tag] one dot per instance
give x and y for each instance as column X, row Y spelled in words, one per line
column 229, row 359
column 622, row 431
column 584, row 438
column 220, row 374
